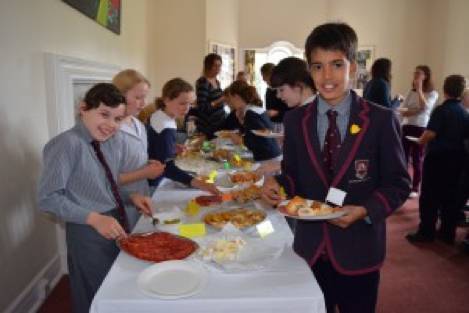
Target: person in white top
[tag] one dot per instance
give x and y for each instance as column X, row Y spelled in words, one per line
column 465, row 99
column 137, row 168
column 415, row 112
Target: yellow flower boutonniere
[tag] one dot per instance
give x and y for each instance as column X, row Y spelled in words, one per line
column 354, row 129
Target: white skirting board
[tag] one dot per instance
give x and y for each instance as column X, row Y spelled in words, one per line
column 38, row 289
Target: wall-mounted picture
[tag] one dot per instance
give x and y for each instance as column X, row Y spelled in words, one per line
column 249, row 59
column 365, row 57
column 104, row 12
column 228, row 57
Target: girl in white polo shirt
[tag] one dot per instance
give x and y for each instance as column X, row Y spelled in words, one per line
column 415, row 111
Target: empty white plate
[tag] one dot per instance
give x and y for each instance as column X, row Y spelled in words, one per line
column 172, row 279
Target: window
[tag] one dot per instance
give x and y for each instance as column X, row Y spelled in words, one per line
column 273, row 54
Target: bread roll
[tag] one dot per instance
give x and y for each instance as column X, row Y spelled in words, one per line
column 305, row 211
column 295, row 204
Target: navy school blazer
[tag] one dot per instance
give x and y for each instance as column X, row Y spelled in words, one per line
column 262, row 148
column 370, row 168
column 161, row 147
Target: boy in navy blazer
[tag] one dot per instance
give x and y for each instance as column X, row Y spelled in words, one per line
column 340, row 140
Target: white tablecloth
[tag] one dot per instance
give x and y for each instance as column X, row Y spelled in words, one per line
column 287, row 286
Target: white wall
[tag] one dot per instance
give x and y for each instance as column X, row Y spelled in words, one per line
column 177, row 40
column 262, row 22
column 179, row 37
column 456, row 49
column 396, row 28
column 222, row 21
column 448, row 41
column 27, row 30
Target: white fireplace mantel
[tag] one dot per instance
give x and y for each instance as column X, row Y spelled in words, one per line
column 62, row 72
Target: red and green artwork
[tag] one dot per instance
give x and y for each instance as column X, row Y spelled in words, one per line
column 105, row 12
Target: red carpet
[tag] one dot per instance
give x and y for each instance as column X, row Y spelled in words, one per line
column 430, row 277
column 59, row 299
column 424, row 278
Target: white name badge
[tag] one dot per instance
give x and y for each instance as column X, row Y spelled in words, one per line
column 265, row 228
column 336, row 196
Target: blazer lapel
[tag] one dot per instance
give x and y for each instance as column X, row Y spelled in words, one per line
column 310, row 137
column 356, row 130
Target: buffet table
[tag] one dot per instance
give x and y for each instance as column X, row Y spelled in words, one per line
column 288, row 285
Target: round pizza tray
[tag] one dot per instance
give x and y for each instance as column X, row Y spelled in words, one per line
column 180, row 238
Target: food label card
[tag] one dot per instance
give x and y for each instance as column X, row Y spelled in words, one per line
column 265, row 228
column 336, row 196
column 192, row 230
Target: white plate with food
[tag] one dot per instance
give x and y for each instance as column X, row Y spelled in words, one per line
column 225, row 133
column 197, row 165
column 232, row 251
column 305, row 209
column 229, row 180
column 173, row 279
column 241, row 218
column 267, row 133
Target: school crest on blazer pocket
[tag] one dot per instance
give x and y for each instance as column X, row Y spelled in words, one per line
column 361, row 169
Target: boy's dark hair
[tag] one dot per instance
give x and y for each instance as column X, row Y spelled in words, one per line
column 104, row 93
column 291, row 71
column 267, row 68
column 332, row 36
column 381, row 68
column 209, row 60
column 454, row 86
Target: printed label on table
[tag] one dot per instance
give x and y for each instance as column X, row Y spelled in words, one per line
column 265, row 228
column 192, row 230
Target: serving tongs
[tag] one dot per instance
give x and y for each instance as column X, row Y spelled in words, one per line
column 154, row 221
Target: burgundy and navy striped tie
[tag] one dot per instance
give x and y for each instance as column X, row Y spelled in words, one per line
column 331, row 143
column 114, row 189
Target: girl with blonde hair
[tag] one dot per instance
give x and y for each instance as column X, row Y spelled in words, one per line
column 138, row 168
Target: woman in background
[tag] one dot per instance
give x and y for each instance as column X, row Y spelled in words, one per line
column 378, row 89
column 209, row 110
column 465, row 99
column 415, row 111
